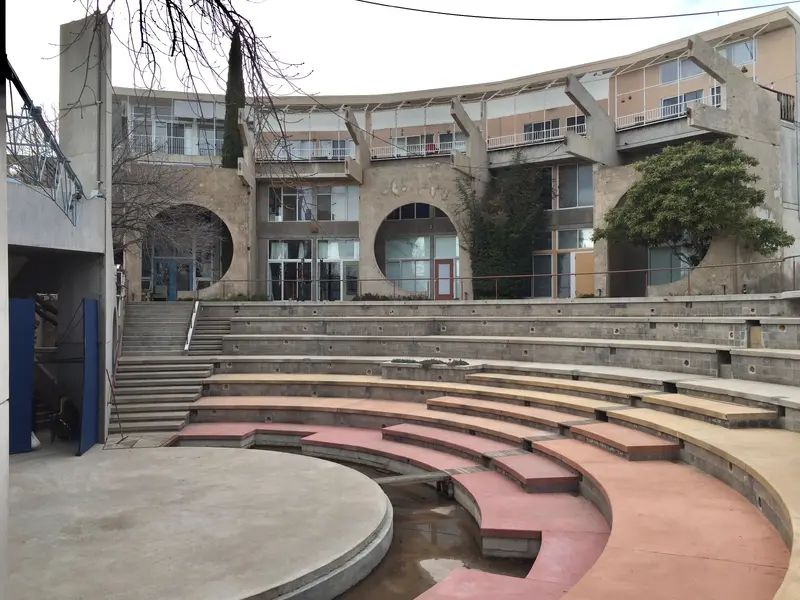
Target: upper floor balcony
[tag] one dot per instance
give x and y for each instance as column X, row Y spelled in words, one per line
column 144, row 145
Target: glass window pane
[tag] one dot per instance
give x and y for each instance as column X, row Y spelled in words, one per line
column 669, row 71
column 274, row 286
column 338, row 204
column 691, row 96
column 353, row 198
column 277, row 250
column 585, row 238
column 423, row 210
column 689, row 68
column 407, row 211
column 567, row 187
column 351, row 278
column 408, row 275
column 275, row 204
column 324, row 207
column 742, row 53
column 393, row 270
column 564, row 281
column 585, row 185
column 542, row 286
column 422, row 269
column 567, row 239
column 323, row 250
column 408, row 247
column 446, row 247
column 289, row 207
column 659, row 258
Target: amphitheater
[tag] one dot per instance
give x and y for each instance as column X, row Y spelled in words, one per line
column 635, row 448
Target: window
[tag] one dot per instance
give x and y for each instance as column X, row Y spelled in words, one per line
column 577, row 124
column 447, row 143
column 335, row 149
column 669, row 267
column 569, row 239
column 740, row 53
column 337, row 250
column 289, row 270
column 575, row 186
column 675, row 106
column 543, row 130
column 408, row 263
column 413, row 145
column 210, row 142
column 716, row 96
column 338, row 203
column 290, row 204
column 543, row 241
column 673, row 70
column 417, row 210
column 338, row 269
column 542, row 275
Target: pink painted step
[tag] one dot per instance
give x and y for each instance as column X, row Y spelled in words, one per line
column 630, row 443
column 537, row 474
column 468, row 584
column 565, row 556
column 508, row 511
column 242, row 431
column 370, row 441
column 463, row 443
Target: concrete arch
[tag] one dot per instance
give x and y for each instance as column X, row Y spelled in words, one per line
column 221, row 192
column 389, row 186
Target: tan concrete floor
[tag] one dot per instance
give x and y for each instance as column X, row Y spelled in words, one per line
column 180, row 523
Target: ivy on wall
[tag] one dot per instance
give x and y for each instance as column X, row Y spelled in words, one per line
column 501, row 225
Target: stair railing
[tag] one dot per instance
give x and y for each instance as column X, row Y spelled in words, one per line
column 192, row 323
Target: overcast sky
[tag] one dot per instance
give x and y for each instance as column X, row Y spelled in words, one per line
column 352, row 48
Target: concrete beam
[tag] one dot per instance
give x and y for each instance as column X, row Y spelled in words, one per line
column 354, row 169
column 600, row 142
column 460, row 116
column 476, row 162
column 715, row 65
column 461, row 163
column 362, row 148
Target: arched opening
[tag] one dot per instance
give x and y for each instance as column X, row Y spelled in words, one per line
column 416, row 249
column 188, row 248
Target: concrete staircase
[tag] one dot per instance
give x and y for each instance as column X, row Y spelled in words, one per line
column 155, row 393
column 155, row 383
column 207, row 336
column 156, row 328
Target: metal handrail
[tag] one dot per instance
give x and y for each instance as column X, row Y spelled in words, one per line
column 192, row 323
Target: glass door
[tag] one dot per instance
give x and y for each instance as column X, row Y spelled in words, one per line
column 444, row 269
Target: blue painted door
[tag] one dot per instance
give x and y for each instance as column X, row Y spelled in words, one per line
column 90, row 402
column 20, row 372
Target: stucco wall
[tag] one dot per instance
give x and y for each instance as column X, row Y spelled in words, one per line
column 389, row 185
column 224, row 193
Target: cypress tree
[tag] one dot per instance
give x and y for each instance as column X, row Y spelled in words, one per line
column 232, row 147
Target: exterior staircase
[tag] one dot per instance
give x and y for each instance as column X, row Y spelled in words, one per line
column 207, row 336
column 155, row 383
column 156, row 328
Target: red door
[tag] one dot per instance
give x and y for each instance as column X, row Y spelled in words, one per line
column 444, row 278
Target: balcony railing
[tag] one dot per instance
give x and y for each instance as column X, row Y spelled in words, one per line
column 411, row 150
column 665, row 113
column 530, row 138
column 144, row 145
column 313, row 154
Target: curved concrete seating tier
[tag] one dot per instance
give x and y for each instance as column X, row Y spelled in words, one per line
column 696, row 359
column 723, row 331
column 677, row 533
column 749, row 305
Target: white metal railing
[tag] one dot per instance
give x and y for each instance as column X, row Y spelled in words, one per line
column 143, row 144
column 192, row 324
column 529, row 138
column 411, row 150
column 315, row 153
column 665, row 113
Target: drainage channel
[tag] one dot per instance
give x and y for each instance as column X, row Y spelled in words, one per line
column 433, row 536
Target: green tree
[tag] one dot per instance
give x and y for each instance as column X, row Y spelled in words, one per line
column 500, row 227
column 690, row 194
column 232, row 147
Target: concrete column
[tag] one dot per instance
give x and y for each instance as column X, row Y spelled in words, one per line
column 86, row 125
column 3, row 363
column 600, row 142
column 476, row 163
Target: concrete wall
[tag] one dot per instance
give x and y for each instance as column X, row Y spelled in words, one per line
column 390, row 185
column 225, row 194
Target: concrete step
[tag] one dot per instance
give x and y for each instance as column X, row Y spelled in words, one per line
column 133, row 390
column 175, row 361
column 148, row 374
column 121, row 399
column 134, row 407
column 147, row 383
column 146, row 426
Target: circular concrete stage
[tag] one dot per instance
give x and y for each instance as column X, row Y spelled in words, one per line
column 192, row 524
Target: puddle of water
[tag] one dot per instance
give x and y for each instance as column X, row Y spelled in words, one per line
column 432, row 537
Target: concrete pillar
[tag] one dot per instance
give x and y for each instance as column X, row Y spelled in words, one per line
column 3, row 362
column 600, row 142
column 476, row 163
column 86, row 125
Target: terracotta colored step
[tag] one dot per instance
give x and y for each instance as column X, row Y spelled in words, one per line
column 508, row 511
column 469, row 584
column 537, row 474
column 565, row 557
column 678, row 533
column 630, row 443
column 471, row 446
column 725, row 413
column 529, row 415
column 370, row 441
column 210, row 408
